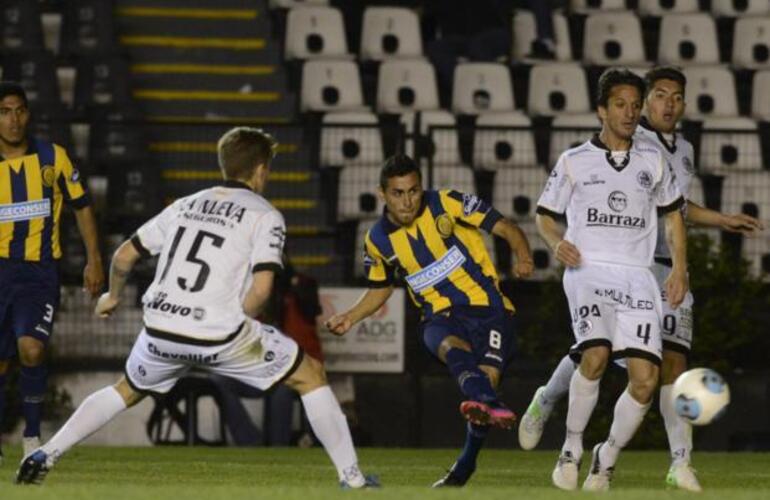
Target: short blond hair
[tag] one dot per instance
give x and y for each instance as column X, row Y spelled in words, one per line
column 242, row 149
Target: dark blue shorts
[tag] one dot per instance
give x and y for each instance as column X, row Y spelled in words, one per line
column 28, row 302
column 490, row 332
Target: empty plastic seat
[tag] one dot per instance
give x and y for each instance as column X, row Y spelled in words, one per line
column 525, row 30
column 87, row 26
column 710, row 92
column 734, row 8
column 315, row 31
column 102, row 87
column 406, row 85
column 557, row 88
column 457, row 177
column 568, row 131
column 597, row 5
column 751, row 45
column 331, row 86
column 688, row 39
column 481, row 87
column 437, row 138
column 390, row 32
column 20, row 28
column 613, row 38
column 36, row 72
column 730, row 143
column 757, row 251
column 749, row 193
column 357, row 196
column 517, row 190
column 760, row 99
column 350, row 138
column 510, row 143
column 663, row 7
column 111, row 142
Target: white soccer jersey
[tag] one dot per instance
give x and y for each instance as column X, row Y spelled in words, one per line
column 679, row 156
column 611, row 209
column 210, row 243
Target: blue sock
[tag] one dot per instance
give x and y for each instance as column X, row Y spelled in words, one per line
column 473, row 382
column 474, row 440
column 32, row 385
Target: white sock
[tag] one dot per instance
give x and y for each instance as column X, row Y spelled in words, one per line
column 95, row 411
column 679, row 431
column 331, row 428
column 583, row 394
column 628, row 416
column 558, row 385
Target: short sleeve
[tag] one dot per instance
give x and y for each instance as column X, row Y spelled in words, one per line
column 69, row 180
column 470, row 209
column 267, row 242
column 378, row 272
column 151, row 236
column 667, row 195
column 557, row 192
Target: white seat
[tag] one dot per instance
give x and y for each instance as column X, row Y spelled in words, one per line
column 546, row 265
column 568, row 131
column 481, row 87
column 613, row 38
column 406, row 85
column 525, row 30
column 357, row 196
column 288, row 4
column 597, row 5
column 729, row 8
column 721, row 148
column 504, row 147
column 331, row 86
column 760, row 98
column 663, row 7
column 457, row 177
column 390, row 32
column 442, row 143
column 757, row 251
column 358, row 253
column 314, row 31
column 516, row 191
column 749, row 192
column 710, row 92
column 347, row 144
column 557, row 88
column 751, row 44
column 688, row 39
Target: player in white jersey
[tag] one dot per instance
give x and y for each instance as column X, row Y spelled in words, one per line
column 218, row 252
column 664, row 107
column 611, row 189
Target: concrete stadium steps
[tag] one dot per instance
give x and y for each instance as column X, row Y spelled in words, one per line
column 207, row 76
column 167, row 21
column 170, row 105
column 198, row 51
column 260, row 5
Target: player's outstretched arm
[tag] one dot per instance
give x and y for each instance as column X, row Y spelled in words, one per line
column 523, row 265
column 122, row 262
column 736, row 223
column 369, row 303
column 93, row 274
column 564, row 251
column 676, row 283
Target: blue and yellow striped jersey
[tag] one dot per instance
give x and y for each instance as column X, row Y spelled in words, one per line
column 32, row 190
column 441, row 254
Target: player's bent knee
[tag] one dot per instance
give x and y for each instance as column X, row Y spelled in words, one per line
column 31, row 351
column 308, row 376
column 452, row 342
column 593, row 362
column 129, row 395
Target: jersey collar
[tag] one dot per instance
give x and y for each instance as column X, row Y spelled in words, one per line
column 31, row 148
column 231, row 183
column 671, row 148
column 608, row 154
column 390, row 227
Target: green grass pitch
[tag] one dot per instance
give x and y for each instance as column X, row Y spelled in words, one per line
column 179, row 473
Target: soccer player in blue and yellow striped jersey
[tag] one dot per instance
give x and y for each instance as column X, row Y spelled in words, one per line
column 432, row 240
column 36, row 179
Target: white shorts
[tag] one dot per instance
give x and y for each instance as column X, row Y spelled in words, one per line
column 616, row 306
column 677, row 323
column 258, row 355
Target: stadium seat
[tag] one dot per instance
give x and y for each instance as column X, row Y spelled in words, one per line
column 102, row 87
column 457, row 177
column 390, row 32
column 760, row 99
column 588, row 6
column 510, row 144
column 757, row 251
column 87, row 27
column 524, row 31
column 406, row 85
column 730, row 144
column 111, row 142
column 751, row 45
column 358, row 252
column 688, row 39
column 313, row 32
column 481, row 87
column 735, row 8
column 36, row 72
column 663, row 7
column 350, row 139
column 557, row 88
column 441, row 144
column 288, row 4
column 546, row 266
column 568, row 131
column 357, row 198
column 516, row 191
column 21, row 28
column 749, row 193
column 710, row 92
column 331, row 86
column 613, row 38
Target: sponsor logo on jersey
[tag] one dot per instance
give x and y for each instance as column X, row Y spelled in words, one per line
column 584, row 326
column 688, row 166
column 183, row 356
column 444, row 225
column 75, row 177
column 625, row 299
column 471, row 203
column 618, row 201
column 269, row 356
column 437, row 271
column 159, row 303
column 369, row 260
column 593, row 180
column 600, row 219
column 48, row 174
column 199, row 314
column 26, row 210
column 644, row 178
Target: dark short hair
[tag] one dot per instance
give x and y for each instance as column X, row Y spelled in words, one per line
column 12, row 88
column 398, row 165
column 241, row 149
column 613, row 77
column 665, row 73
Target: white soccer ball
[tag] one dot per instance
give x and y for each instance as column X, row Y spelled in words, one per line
column 701, row 396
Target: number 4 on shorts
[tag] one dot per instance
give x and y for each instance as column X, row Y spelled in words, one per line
column 643, row 332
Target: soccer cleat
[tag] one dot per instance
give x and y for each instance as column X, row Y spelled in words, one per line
column 370, row 482
column 30, row 444
column 681, row 475
column 496, row 415
column 452, row 479
column 532, row 422
column 565, row 474
column 598, row 478
column 33, row 468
